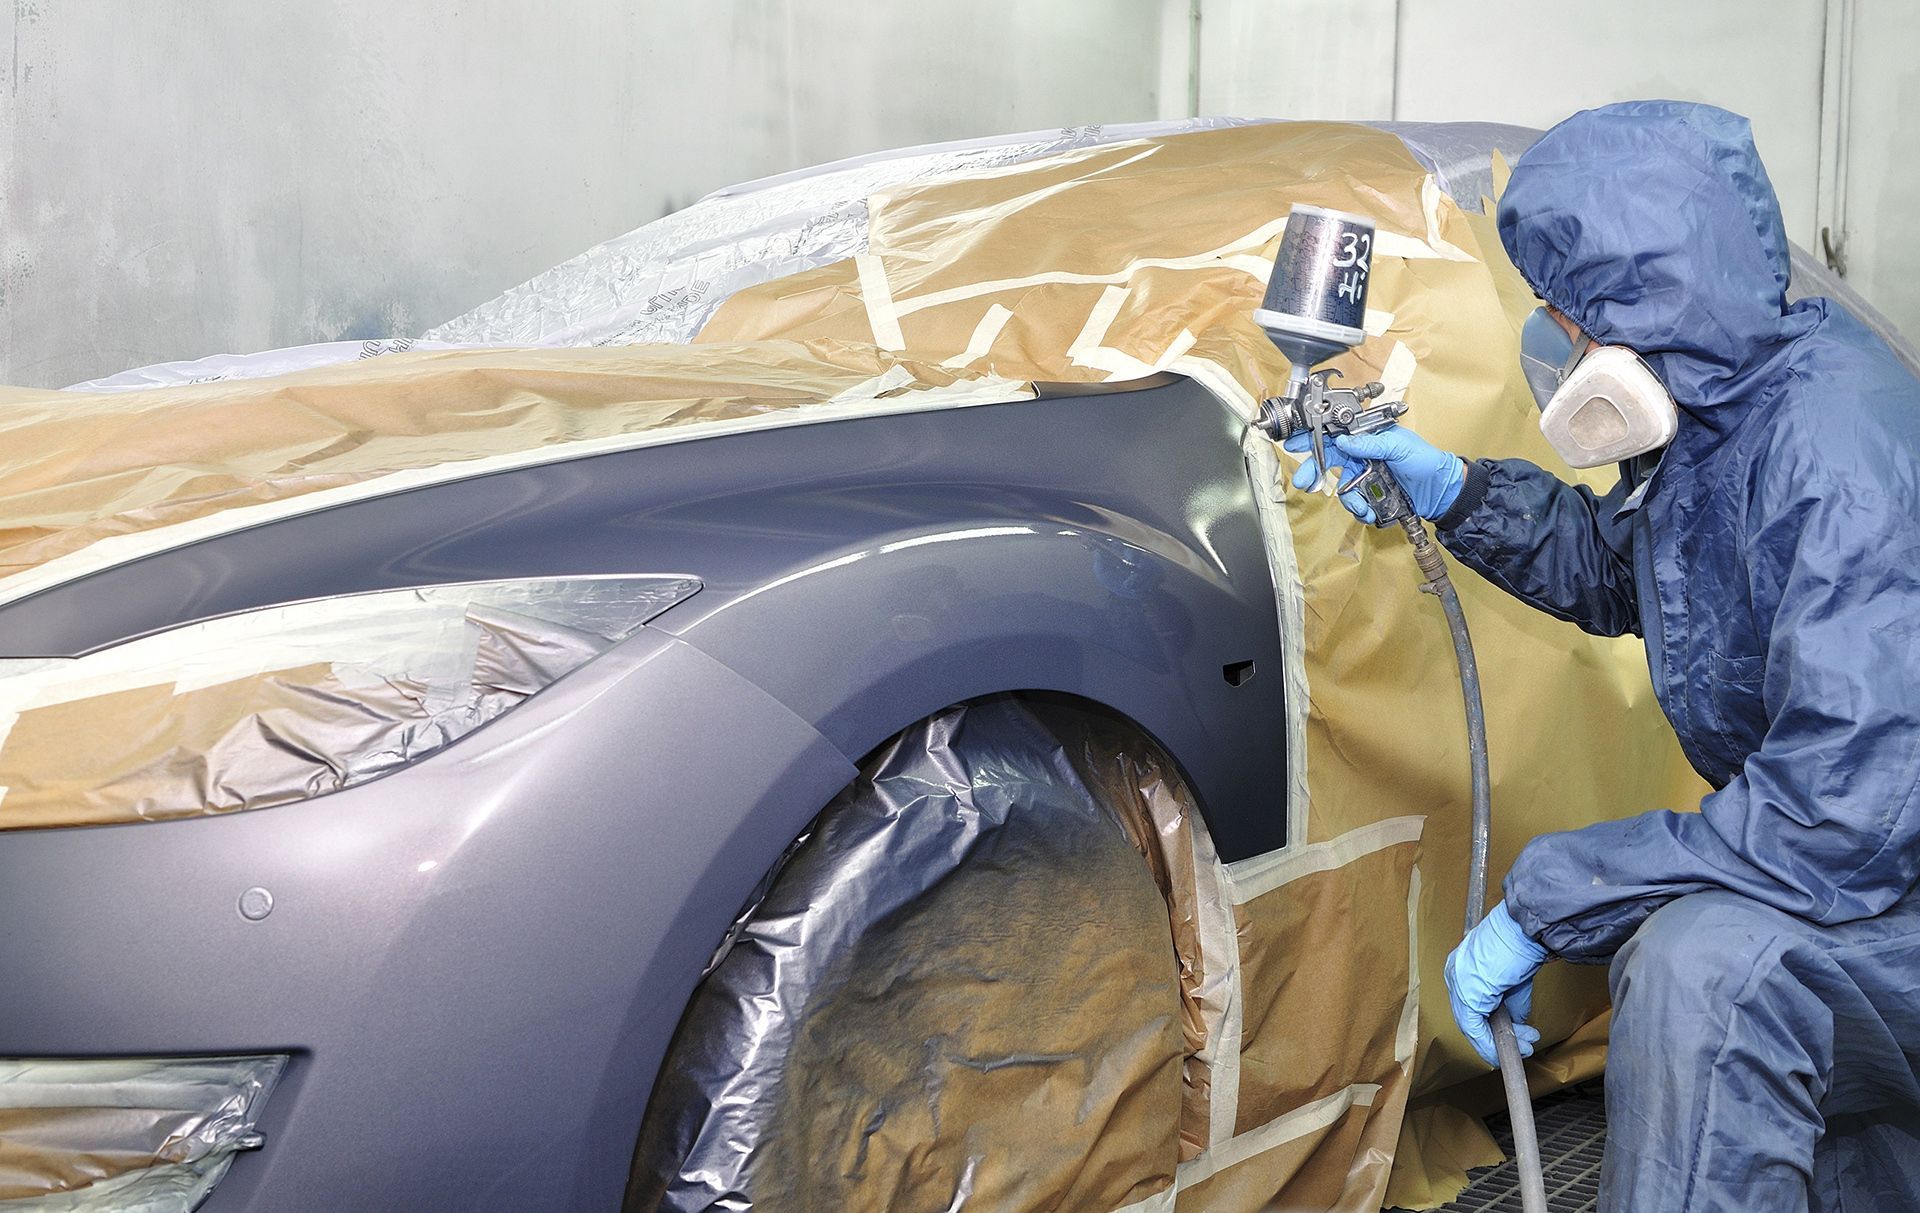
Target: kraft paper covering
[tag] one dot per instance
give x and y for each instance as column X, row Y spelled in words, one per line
column 99, row 1135
column 1111, row 262
column 274, row 706
column 1139, row 785
column 88, row 479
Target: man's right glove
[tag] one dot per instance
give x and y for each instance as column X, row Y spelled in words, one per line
column 1494, row 964
column 1432, row 478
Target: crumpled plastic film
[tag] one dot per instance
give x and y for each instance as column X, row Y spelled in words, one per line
column 90, row 480
column 1460, row 154
column 265, row 363
column 1140, row 786
column 960, row 992
column 282, row 704
column 661, row 281
column 134, row 1136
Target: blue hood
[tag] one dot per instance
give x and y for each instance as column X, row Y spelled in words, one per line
column 1653, row 225
column 1773, row 562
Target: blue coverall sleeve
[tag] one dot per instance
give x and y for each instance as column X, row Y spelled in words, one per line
column 1550, row 544
column 1822, row 821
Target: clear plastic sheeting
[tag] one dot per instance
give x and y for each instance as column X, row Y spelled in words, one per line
column 216, row 367
column 1811, row 277
column 960, row 992
column 291, row 702
column 661, row 281
column 1460, row 155
column 142, row 1135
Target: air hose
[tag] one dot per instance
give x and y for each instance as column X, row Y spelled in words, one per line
column 1434, row 580
column 1315, row 306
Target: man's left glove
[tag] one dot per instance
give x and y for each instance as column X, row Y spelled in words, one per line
column 1494, row 964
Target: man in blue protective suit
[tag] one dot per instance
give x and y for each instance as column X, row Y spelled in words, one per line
column 1765, row 950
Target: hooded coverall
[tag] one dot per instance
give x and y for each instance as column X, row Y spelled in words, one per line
column 1765, row 950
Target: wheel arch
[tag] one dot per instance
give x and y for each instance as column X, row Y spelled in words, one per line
column 1090, row 751
column 1143, row 625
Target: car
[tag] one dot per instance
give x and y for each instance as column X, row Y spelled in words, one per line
column 820, row 761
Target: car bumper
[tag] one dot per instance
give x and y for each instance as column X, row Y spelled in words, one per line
column 474, row 963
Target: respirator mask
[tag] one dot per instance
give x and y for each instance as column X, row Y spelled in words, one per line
column 1599, row 404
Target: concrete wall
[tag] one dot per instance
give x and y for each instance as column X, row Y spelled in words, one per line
column 1878, row 190
column 1832, row 87
column 185, row 177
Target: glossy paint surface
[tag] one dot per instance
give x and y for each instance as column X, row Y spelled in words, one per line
column 477, row 960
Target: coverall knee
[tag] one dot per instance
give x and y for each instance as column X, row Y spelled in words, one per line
column 1761, row 1062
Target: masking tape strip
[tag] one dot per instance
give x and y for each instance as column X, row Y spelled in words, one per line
column 1406, row 248
column 1264, row 873
column 1087, row 351
column 878, row 297
column 1430, row 204
column 1183, row 341
column 1221, row 1005
column 120, row 549
column 1248, row 263
column 1290, row 601
column 1099, row 320
column 1408, row 1037
column 984, row 335
column 1310, row 1118
column 1501, row 173
column 890, row 380
column 1397, row 375
column 1160, row 1202
column 1192, row 261
column 1121, row 366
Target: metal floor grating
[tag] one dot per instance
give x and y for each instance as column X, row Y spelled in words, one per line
column 1572, row 1126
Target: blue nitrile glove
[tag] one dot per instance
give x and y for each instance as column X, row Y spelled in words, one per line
column 1494, row 964
column 1431, row 477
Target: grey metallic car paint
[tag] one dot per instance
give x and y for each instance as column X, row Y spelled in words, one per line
column 478, row 960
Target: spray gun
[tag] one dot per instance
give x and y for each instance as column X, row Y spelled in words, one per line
column 1315, row 307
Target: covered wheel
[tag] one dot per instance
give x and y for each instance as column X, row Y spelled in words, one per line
column 960, row 990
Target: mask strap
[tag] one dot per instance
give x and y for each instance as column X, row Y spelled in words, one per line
column 1581, row 348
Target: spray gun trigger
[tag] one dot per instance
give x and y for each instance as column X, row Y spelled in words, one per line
column 1319, row 455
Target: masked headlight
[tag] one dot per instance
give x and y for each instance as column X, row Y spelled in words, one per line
column 290, row 702
column 142, row 1135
